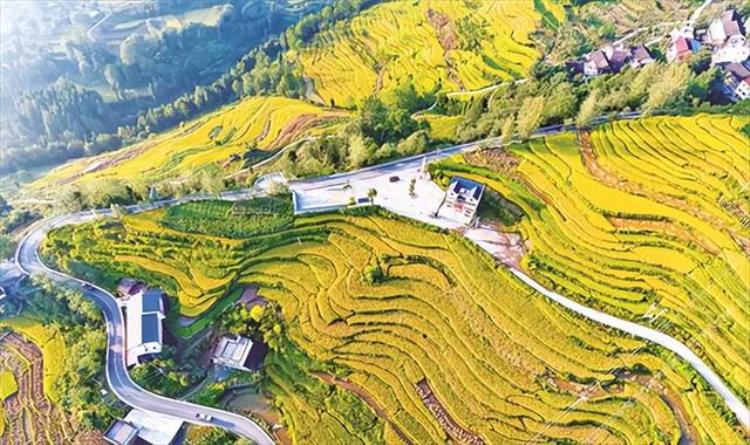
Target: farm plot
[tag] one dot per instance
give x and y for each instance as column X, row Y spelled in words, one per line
column 646, row 220
column 265, row 123
column 452, row 45
column 29, row 417
column 397, row 305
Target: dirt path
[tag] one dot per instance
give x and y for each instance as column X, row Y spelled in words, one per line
column 450, row 426
column 30, row 415
column 449, row 41
column 359, row 391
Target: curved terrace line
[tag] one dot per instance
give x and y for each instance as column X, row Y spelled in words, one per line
column 119, row 380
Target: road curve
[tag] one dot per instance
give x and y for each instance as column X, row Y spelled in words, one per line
column 120, row 382
column 27, row 258
column 733, row 402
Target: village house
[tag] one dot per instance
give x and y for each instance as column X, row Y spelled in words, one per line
column 640, row 57
column 239, row 353
column 144, row 312
column 736, row 80
column 139, row 427
column 725, row 27
column 611, row 60
column 735, row 50
column 596, row 63
column 683, row 44
column 461, row 200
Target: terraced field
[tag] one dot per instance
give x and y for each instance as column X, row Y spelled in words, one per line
column 451, row 45
column 647, row 220
column 265, row 123
column 443, row 344
column 27, row 414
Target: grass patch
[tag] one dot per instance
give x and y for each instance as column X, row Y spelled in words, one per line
column 8, row 385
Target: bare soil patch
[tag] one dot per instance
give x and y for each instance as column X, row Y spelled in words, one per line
column 31, row 417
column 448, row 39
column 366, row 397
column 450, row 426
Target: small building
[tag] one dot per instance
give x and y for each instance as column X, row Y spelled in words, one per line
column 240, row 353
column 641, row 56
column 121, row 433
column 618, row 57
column 144, row 312
column 140, row 427
column 461, row 200
column 725, row 27
column 128, row 287
column 682, row 48
column 742, row 90
column 735, row 75
column 735, row 50
column 596, row 63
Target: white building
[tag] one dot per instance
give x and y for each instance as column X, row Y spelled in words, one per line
column 461, row 200
column 239, row 353
column 725, row 27
column 736, row 50
column 742, row 90
column 141, row 427
column 144, row 312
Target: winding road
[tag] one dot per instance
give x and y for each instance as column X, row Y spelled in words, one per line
column 128, row 391
column 27, row 258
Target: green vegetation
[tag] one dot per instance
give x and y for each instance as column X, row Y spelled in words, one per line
column 643, row 220
column 8, row 386
column 194, row 153
column 63, row 377
column 442, row 313
column 117, row 78
column 231, row 220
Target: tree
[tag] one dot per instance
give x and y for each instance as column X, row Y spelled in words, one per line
column 114, row 77
column 506, row 134
column 360, row 151
column 372, row 193
column 561, row 103
column 7, row 246
column 589, row 110
column 530, row 116
column 211, row 182
column 668, row 88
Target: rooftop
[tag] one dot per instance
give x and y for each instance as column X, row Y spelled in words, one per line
column 120, row 433
column 641, row 53
column 150, row 328
column 154, row 428
column 240, row 352
column 463, row 186
column 151, row 301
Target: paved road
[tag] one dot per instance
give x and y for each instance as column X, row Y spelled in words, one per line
column 733, row 402
column 416, row 160
column 116, row 370
column 132, row 394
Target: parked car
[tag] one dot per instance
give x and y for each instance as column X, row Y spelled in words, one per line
column 393, row 179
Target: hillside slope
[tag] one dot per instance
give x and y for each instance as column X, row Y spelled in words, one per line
column 451, row 45
column 645, row 220
column 447, row 345
column 262, row 123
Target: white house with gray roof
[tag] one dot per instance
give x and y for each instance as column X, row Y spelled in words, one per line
column 144, row 312
column 461, row 200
